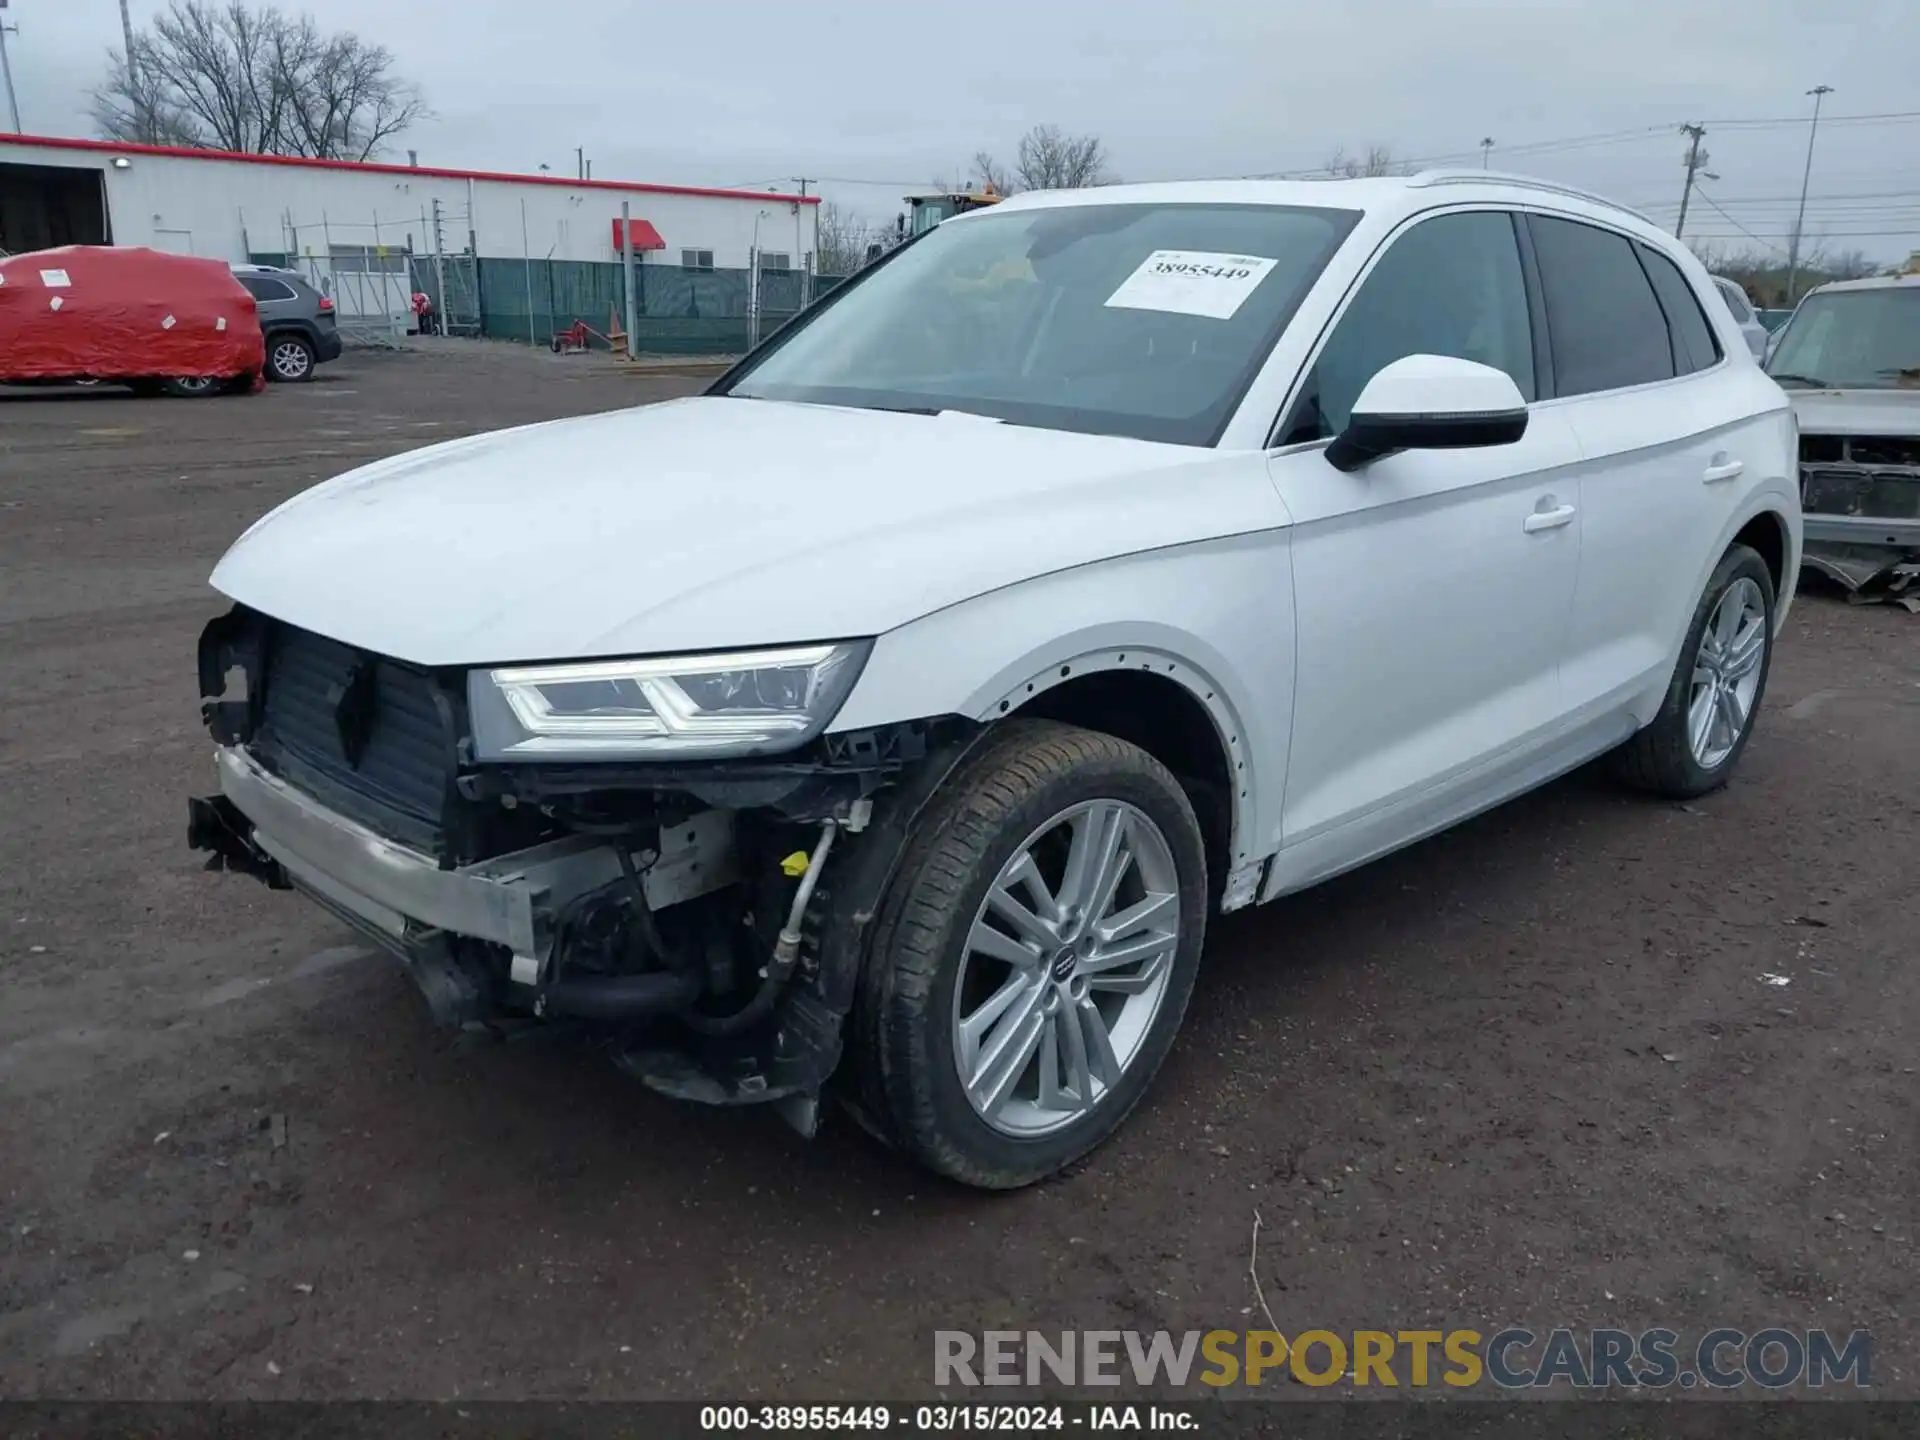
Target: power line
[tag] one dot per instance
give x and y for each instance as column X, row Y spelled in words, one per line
column 1885, row 117
column 1523, row 149
column 1714, row 205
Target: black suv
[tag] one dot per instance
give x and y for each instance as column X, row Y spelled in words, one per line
column 296, row 319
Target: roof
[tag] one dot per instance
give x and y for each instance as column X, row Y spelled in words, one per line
column 1872, row 282
column 1396, row 194
column 377, row 167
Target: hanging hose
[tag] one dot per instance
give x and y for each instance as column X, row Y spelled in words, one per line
column 786, row 953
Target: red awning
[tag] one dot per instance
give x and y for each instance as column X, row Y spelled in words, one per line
column 645, row 237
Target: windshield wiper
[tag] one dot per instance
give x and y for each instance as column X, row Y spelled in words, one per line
column 1800, row 380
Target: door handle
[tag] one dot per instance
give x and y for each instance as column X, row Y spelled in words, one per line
column 1721, row 469
column 1548, row 519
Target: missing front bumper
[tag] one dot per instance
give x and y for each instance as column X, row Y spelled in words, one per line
column 409, row 903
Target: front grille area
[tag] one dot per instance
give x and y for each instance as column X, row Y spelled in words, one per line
column 1860, row 490
column 400, row 785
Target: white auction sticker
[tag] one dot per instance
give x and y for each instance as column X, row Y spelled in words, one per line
column 1192, row 282
column 55, row 279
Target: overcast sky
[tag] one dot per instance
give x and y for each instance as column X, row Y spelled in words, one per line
column 732, row 92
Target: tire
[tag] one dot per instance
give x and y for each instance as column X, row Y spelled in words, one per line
column 1037, row 789
column 1664, row 759
column 145, row 389
column 289, row 359
column 192, row 387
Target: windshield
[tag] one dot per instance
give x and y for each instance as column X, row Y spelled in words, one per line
column 1140, row 320
column 1852, row 340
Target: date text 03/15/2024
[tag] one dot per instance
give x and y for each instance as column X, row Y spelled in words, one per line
column 945, row 1419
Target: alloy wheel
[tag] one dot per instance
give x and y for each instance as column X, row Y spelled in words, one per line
column 291, row 360
column 1726, row 673
column 1065, row 967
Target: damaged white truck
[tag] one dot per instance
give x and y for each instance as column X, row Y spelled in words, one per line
column 886, row 724
column 1850, row 359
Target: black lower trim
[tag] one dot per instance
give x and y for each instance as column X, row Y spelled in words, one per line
column 215, row 824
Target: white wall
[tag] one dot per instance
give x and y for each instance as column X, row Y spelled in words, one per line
column 221, row 208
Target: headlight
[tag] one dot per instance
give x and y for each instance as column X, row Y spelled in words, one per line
column 685, row 707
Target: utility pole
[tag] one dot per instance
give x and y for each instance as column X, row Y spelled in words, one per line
column 134, row 92
column 1486, row 151
column 579, row 162
column 1793, row 250
column 6, row 70
column 1696, row 157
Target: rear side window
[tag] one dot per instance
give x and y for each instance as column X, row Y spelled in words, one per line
column 1449, row 286
column 262, row 288
column 1694, row 347
column 1606, row 328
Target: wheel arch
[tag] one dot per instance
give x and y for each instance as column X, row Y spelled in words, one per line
column 1151, row 695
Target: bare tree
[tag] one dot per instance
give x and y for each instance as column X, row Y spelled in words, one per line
column 134, row 104
column 252, row 78
column 1378, row 160
column 1050, row 159
column 841, row 240
column 987, row 174
column 1849, row 265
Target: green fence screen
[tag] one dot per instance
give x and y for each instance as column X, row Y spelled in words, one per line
column 680, row 311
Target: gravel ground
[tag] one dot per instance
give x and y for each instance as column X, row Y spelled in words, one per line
column 1527, row 1073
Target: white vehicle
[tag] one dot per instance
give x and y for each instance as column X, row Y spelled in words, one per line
column 1091, row 564
column 1850, row 360
column 1744, row 315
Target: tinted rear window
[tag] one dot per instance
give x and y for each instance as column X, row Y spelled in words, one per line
column 1606, row 328
column 1694, row 347
column 262, row 287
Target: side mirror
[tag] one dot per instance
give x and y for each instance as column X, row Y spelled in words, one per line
column 1430, row 402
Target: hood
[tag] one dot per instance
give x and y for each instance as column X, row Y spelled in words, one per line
column 1857, row 412
column 713, row 523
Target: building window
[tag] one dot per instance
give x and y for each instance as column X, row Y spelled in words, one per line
column 775, row 260
column 368, row 259
column 696, row 259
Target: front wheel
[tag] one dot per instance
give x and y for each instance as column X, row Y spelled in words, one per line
column 1034, row 956
column 1706, row 718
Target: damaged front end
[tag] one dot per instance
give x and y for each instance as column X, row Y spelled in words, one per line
column 705, row 918
column 1860, row 499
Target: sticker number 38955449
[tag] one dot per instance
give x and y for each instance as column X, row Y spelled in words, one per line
column 1192, row 282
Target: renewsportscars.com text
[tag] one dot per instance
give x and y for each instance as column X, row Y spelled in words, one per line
column 1513, row 1358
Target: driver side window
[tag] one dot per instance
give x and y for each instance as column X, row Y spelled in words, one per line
column 1450, row 286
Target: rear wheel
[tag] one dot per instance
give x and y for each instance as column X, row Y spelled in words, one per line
column 1034, row 957
column 289, row 359
column 192, row 387
column 1703, row 724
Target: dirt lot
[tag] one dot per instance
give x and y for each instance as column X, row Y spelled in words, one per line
column 1527, row 1073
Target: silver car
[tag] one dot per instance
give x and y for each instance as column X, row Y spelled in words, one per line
column 1751, row 330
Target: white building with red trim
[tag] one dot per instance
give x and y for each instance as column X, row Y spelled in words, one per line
column 57, row 191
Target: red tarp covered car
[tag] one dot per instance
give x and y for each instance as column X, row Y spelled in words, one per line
column 126, row 314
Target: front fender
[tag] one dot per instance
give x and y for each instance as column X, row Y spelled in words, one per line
column 1214, row 617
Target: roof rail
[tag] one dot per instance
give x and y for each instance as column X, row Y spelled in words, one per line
column 1466, row 176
